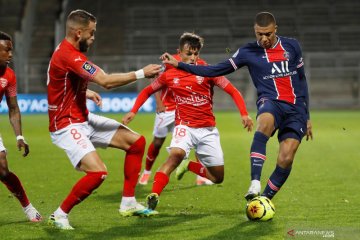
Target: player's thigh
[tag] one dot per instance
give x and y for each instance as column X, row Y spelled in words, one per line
column 176, row 155
column 3, row 164
column 268, row 117
column 182, row 138
column 106, row 132
column 91, row 162
column 164, row 124
column 208, row 147
column 74, row 141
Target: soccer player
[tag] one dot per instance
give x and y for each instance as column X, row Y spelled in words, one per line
column 277, row 70
column 77, row 131
column 8, row 88
column 194, row 122
column 164, row 124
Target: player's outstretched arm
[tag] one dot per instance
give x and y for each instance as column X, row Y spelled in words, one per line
column 220, row 69
column 230, row 89
column 15, row 120
column 140, row 100
column 94, row 96
column 114, row 80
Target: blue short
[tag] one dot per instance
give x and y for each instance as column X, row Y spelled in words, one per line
column 290, row 119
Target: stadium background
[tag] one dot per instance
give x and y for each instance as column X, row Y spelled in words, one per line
column 131, row 34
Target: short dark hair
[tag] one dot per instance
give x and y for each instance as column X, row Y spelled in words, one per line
column 5, row 36
column 193, row 40
column 81, row 17
column 264, row 19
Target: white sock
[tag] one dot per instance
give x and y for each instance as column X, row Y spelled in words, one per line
column 27, row 207
column 127, row 201
column 147, row 172
column 60, row 212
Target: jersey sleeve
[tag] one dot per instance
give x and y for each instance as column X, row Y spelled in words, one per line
column 301, row 71
column 147, row 92
column 11, row 88
column 226, row 85
column 82, row 67
column 223, row 68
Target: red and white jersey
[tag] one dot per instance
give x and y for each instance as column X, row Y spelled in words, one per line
column 8, row 83
column 167, row 97
column 68, row 76
column 193, row 96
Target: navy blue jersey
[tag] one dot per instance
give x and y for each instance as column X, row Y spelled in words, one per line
column 277, row 73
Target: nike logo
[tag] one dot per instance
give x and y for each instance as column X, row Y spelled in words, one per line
column 301, row 130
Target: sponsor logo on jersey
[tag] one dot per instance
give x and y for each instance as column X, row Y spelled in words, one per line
column 3, row 82
column 89, row 68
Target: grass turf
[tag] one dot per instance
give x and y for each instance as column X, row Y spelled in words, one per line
column 320, row 195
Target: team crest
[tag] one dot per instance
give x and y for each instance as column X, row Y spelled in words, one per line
column 3, row 82
column 199, row 79
column 176, row 81
column 286, row 55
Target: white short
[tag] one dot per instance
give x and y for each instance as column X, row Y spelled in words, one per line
column 164, row 124
column 79, row 139
column 206, row 142
column 2, row 147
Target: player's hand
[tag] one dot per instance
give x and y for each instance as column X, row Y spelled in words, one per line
column 309, row 134
column 169, row 59
column 94, row 96
column 152, row 70
column 128, row 118
column 247, row 122
column 22, row 144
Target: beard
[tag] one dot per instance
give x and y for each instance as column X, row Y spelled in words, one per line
column 83, row 46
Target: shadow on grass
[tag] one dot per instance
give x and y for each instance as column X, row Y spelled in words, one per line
column 148, row 228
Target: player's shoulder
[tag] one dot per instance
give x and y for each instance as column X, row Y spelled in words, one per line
column 247, row 48
column 10, row 73
column 289, row 40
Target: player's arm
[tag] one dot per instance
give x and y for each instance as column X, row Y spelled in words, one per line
column 94, row 96
column 140, row 100
column 114, row 80
column 301, row 71
column 159, row 104
column 220, row 69
column 226, row 85
column 15, row 121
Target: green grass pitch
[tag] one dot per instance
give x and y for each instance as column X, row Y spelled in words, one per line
column 321, row 194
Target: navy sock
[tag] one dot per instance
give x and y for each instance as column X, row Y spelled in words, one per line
column 258, row 154
column 276, row 180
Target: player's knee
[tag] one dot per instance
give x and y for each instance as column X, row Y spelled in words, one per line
column 285, row 160
column 218, row 179
column 138, row 146
column 4, row 172
column 98, row 176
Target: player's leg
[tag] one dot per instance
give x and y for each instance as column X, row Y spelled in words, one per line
column 266, row 125
column 164, row 124
column 12, row 182
column 288, row 148
column 134, row 145
column 152, row 153
column 201, row 180
column 81, row 152
column 161, row 178
column 291, row 131
column 210, row 154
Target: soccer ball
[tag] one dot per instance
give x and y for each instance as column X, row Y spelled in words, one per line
column 260, row 209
